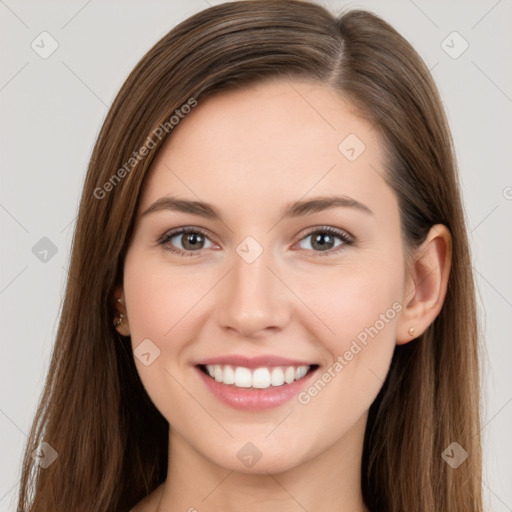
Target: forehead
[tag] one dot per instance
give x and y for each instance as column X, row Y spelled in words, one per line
column 270, row 142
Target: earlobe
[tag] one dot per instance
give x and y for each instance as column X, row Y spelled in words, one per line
column 120, row 320
column 409, row 333
column 429, row 277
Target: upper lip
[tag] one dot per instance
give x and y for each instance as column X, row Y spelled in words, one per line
column 253, row 362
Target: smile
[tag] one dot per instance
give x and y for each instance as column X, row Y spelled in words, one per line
column 254, row 383
column 259, row 378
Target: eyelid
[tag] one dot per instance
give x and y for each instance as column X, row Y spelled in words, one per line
column 342, row 233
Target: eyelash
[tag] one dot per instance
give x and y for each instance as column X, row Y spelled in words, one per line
column 343, row 236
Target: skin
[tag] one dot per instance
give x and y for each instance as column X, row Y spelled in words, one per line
column 250, row 152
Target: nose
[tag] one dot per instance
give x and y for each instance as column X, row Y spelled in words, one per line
column 253, row 301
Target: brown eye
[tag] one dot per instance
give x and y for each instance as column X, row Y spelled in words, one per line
column 322, row 241
column 192, row 241
column 185, row 241
column 325, row 240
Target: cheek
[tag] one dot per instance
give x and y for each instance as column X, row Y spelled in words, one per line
column 351, row 301
column 147, row 306
column 367, row 304
column 159, row 303
column 159, row 295
column 361, row 309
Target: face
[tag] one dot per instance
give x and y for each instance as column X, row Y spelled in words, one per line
column 270, row 277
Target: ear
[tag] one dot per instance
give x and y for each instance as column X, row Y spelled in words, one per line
column 120, row 307
column 426, row 283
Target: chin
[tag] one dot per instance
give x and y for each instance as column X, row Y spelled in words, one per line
column 257, row 457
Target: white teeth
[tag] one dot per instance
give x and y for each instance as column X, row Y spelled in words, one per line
column 243, row 377
column 228, row 375
column 277, row 377
column 289, row 375
column 260, row 378
column 300, row 372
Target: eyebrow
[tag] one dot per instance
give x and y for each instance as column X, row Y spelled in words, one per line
column 296, row 209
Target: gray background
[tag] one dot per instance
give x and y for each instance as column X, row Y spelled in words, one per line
column 52, row 110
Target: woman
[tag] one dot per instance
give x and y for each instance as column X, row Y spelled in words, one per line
column 271, row 304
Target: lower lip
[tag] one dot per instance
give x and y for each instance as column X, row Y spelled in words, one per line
column 250, row 399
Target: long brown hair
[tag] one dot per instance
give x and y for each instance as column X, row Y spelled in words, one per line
column 110, row 439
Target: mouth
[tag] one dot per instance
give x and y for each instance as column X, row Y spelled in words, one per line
column 257, row 388
column 264, row 377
